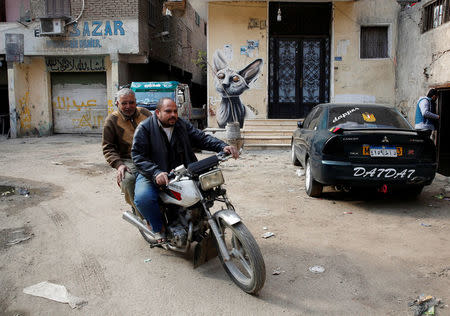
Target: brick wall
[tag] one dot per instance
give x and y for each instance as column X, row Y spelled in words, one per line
column 97, row 9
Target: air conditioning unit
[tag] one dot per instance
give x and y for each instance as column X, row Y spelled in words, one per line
column 52, row 26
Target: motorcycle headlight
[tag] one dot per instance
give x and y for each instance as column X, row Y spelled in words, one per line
column 211, row 179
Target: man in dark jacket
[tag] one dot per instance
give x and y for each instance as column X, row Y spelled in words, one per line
column 161, row 143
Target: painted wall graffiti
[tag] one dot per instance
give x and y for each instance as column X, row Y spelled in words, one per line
column 65, row 103
column 88, row 120
column 79, row 108
column 24, row 112
column 110, row 106
column 231, row 84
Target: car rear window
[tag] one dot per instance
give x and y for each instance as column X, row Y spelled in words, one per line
column 363, row 116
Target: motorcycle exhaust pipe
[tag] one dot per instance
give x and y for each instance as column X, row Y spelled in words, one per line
column 136, row 221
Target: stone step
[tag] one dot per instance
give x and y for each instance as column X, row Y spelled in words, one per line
column 266, row 132
column 273, row 139
column 266, row 146
column 271, row 121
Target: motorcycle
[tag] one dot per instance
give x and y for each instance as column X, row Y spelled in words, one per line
column 186, row 205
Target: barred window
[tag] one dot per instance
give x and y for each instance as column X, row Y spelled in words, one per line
column 436, row 14
column 374, row 42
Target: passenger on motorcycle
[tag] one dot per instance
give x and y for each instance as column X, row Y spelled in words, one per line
column 117, row 137
column 161, row 143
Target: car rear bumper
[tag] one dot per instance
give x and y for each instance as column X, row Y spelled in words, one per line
column 331, row 172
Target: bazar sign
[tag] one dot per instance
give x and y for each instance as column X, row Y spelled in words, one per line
column 88, row 34
column 75, row 63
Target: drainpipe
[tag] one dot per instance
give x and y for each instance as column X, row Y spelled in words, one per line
column 12, row 101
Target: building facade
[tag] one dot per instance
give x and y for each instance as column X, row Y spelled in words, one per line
column 424, row 62
column 311, row 52
column 64, row 60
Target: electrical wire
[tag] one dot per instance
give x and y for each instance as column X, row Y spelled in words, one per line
column 79, row 16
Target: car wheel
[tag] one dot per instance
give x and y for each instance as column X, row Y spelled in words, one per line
column 312, row 187
column 294, row 159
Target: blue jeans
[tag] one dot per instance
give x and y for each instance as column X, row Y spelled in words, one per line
column 146, row 200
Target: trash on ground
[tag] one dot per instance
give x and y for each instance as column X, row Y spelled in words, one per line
column 277, row 271
column 267, row 235
column 300, row 172
column 147, row 260
column 57, row 163
column 18, row 240
column 439, row 196
column 424, row 305
column 317, row 269
column 18, row 235
column 56, row 293
column 24, row 192
column 447, row 198
column 425, row 225
column 265, row 228
column 347, row 213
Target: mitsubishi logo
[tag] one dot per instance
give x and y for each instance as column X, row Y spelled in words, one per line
column 385, row 140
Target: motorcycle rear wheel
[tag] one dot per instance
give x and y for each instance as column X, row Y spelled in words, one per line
column 246, row 266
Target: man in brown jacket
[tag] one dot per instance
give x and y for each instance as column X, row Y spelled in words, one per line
column 118, row 134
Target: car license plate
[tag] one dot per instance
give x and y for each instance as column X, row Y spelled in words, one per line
column 366, row 150
column 383, row 152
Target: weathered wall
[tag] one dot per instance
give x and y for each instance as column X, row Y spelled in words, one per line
column 181, row 46
column 229, row 31
column 32, row 92
column 356, row 79
column 423, row 58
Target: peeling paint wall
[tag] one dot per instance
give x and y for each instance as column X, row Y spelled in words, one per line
column 235, row 28
column 356, row 79
column 423, row 58
column 32, row 98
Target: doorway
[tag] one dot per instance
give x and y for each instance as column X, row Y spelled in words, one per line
column 443, row 137
column 299, row 58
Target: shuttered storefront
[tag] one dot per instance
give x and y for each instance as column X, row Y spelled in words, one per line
column 79, row 102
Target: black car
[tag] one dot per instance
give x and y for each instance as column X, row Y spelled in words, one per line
column 356, row 145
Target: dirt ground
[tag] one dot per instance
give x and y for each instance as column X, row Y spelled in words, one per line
column 63, row 224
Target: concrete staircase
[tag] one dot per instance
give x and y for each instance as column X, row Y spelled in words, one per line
column 259, row 134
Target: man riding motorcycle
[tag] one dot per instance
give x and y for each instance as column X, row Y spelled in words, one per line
column 160, row 144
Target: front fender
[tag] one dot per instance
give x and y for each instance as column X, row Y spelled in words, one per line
column 228, row 216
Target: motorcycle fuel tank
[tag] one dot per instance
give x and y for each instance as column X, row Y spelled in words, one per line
column 184, row 193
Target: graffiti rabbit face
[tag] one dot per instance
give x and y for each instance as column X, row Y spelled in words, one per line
column 229, row 82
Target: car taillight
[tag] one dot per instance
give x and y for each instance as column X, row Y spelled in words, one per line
column 333, row 146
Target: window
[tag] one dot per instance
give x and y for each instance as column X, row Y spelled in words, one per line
column 57, row 8
column 152, row 12
column 374, row 42
column 166, row 23
column 197, row 19
column 435, row 14
column 309, row 118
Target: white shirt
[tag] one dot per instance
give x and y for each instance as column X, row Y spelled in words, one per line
column 168, row 130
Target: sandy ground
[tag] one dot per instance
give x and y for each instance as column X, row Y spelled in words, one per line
column 377, row 259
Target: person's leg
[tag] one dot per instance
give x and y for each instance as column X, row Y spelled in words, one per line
column 146, row 201
column 128, row 183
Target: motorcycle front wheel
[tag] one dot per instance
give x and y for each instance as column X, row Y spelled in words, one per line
column 246, row 265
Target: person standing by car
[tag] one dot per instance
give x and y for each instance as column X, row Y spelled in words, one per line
column 118, row 132
column 425, row 116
